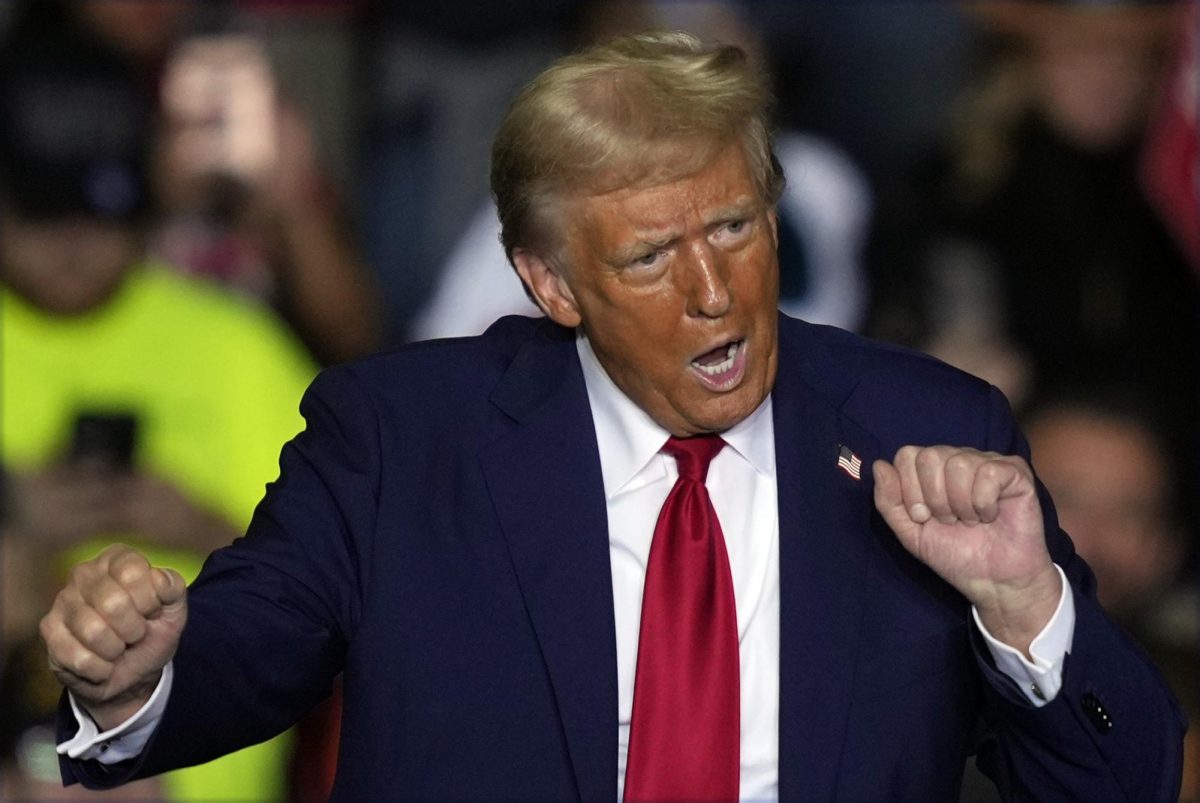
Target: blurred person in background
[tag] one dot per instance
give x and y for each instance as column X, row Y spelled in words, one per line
column 1027, row 250
column 136, row 404
column 247, row 201
column 1170, row 169
column 435, row 81
column 243, row 195
column 1100, row 452
column 1101, row 456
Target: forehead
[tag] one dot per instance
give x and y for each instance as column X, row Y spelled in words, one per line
column 723, row 186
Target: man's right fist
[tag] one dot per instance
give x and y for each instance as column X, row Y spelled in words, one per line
column 111, row 631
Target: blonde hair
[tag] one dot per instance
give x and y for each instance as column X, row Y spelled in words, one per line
column 638, row 110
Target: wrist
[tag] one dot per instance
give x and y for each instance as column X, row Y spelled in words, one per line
column 114, row 712
column 1015, row 615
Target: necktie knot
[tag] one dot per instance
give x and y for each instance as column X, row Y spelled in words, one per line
column 693, row 455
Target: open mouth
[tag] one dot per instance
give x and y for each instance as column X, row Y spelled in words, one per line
column 722, row 368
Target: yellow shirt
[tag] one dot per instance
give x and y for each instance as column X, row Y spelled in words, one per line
column 214, row 382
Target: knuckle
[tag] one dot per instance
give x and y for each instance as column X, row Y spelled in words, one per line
column 928, row 459
column 130, row 572
column 990, row 471
column 114, row 551
column 79, row 575
column 86, row 664
column 48, row 626
column 76, row 660
column 113, row 604
column 74, row 621
column 958, row 461
column 92, row 631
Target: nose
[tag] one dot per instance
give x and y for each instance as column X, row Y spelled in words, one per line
column 708, row 286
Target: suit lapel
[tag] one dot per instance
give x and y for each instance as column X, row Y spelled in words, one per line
column 545, row 482
column 823, row 530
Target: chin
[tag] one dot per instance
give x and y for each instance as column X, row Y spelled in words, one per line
column 726, row 415
column 69, row 302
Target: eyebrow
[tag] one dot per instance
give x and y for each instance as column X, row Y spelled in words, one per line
column 744, row 207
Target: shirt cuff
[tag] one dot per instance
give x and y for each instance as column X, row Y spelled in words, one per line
column 126, row 740
column 1041, row 678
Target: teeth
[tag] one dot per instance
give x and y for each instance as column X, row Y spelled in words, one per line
column 721, row 367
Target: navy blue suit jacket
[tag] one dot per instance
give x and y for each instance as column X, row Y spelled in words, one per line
column 439, row 534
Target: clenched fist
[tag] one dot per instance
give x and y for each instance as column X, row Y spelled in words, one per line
column 111, row 631
column 974, row 518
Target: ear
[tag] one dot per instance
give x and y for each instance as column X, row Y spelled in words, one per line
column 549, row 289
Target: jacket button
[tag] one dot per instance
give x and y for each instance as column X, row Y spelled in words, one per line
column 1096, row 712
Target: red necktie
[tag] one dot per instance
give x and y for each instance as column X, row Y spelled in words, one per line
column 685, row 736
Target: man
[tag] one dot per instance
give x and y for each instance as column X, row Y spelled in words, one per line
column 135, row 404
column 465, row 527
column 1100, row 452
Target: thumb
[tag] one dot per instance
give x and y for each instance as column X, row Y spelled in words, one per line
column 169, row 586
column 889, row 500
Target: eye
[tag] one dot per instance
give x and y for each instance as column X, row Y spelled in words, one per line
column 733, row 232
column 648, row 260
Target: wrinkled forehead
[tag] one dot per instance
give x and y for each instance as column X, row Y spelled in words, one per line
column 647, row 172
column 662, row 207
column 651, row 164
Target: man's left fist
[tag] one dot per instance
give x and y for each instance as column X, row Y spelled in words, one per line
column 975, row 519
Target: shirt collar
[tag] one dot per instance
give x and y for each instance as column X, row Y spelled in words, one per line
column 628, row 438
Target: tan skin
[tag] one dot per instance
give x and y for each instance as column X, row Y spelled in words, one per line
column 658, row 277
column 66, row 266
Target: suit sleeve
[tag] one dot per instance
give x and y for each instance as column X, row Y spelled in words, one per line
column 1114, row 731
column 270, row 616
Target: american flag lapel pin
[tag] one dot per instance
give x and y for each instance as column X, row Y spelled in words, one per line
column 849, row 462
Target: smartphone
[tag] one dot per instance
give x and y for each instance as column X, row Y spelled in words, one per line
column 104, row 440
column 219, row 100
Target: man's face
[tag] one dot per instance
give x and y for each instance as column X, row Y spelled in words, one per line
column 676, row 287
column 65, row 267
column 1111, row 489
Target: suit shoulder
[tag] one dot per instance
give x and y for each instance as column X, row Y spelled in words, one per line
column 848, row 359
column 439, row 371
column 893, row 389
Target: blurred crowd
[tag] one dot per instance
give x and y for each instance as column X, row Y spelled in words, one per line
column 201, row 203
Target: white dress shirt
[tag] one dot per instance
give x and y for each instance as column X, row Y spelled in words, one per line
column 637, row 478
column 741, row 482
